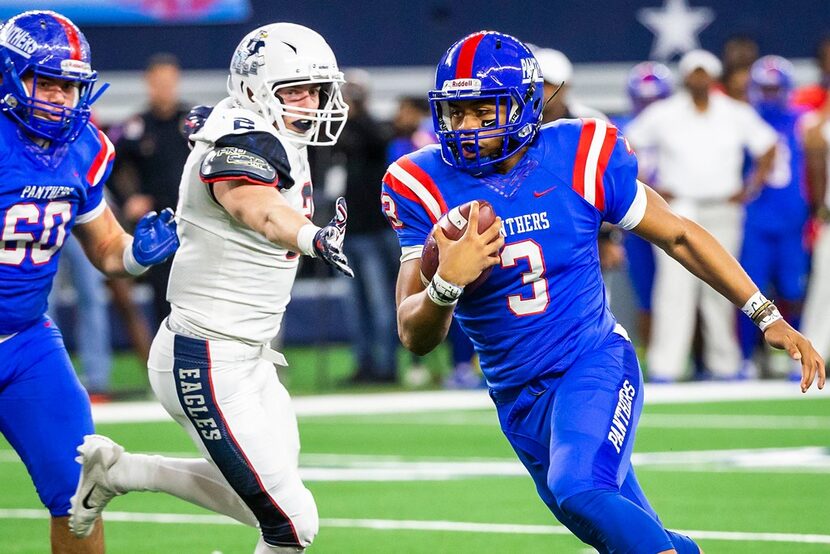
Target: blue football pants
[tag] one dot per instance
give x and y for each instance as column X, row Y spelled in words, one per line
column 44, row 411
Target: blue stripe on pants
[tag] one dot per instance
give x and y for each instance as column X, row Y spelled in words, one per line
column 192, row 373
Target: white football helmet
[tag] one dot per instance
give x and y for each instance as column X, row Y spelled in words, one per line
column 281, row 55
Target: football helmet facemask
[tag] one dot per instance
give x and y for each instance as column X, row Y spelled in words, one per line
column 281, row 55
column 487, row 66
column 44, row 44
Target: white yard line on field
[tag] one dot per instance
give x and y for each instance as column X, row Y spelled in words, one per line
column 419, row 402
column 658, row 421
column 419, row 525
column 366, row 468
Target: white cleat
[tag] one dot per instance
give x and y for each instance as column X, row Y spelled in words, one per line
column 94, row 491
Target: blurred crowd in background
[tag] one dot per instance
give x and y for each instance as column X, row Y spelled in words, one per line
column 729, row 141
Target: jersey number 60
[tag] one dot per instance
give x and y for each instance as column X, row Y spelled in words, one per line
column 18, row 241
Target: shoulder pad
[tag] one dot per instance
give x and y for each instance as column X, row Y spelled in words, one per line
column 226, row 119
column 256, row 157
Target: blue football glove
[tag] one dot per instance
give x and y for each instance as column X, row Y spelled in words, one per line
column 155, row 238
column 194, row 121
column 328, row 242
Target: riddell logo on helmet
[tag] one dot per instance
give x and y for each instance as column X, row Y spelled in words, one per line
column 74, row 67
column 20, row 41
column 465, row 84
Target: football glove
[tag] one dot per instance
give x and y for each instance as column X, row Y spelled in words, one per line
column 155, row 238
column 194, row 121
column 328, row 241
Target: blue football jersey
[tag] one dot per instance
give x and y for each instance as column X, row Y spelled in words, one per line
column 545, row 304
column 42, row 196
column 781, row 205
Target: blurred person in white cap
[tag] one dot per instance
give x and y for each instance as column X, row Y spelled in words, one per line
column 700, row 138
column 557, row 71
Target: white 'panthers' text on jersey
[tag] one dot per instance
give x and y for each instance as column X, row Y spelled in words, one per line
column 229, row 282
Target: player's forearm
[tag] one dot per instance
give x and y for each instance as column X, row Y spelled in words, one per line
column 699, row 252
column 281, row 225
column 104, row 242
column 422, row 324
column 264, row 210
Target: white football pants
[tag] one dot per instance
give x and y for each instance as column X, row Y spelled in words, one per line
column 235, row 409
column 678, row 294
column 815, row 323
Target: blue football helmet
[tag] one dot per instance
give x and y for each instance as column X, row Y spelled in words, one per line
column 770, row 82
column 647, row 82
column 45, row 44
column 491, row 66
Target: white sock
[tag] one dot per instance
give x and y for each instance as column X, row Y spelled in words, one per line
column 194, row 480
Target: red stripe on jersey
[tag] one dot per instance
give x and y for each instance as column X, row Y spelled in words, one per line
column 240, row 177
column 399, row 188
column 103, row 156
column 589, row 127
column 423, row 177
column 464, row 66
column 71, row 36
column 604, row 155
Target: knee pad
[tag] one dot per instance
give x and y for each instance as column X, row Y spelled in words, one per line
column 299, row 524
column 683, row 544
column 616, row 522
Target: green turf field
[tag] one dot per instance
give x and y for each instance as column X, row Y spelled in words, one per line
column 750, row 476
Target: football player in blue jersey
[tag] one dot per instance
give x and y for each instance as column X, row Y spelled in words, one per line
column 53, row 163
column 647, row 82
column 773, row 253
column 562, row 373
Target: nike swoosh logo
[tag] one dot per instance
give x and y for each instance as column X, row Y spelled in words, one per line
column 544, row 192
column 85, row 501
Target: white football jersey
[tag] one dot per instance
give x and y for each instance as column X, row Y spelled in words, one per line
column 229, row 282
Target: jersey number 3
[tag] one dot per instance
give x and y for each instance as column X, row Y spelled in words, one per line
column 14, row 244
column 535, row 277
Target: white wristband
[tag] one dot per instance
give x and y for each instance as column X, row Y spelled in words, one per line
column 755, row 301
column 443, row 292
column 305, row 239
column 131, row 265
column 761, row 311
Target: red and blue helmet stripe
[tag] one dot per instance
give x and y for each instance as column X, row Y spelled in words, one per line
column 647, row 82
column 44, row 44
column 487, row 65
column 771, row 80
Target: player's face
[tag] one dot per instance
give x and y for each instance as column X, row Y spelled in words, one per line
column 302, row 96
column 471, row 115
column 55, row 91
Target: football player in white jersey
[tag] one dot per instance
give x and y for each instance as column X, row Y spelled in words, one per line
column 244, row 208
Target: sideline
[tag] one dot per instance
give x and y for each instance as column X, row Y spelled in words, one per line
column 429, row 401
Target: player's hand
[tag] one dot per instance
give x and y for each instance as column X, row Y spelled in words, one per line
column 155, row 238
column 781, row 335
column 194, row 121
column 460, row 262
column 328, row 242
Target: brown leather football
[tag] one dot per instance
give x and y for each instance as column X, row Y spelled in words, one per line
column 454, row 224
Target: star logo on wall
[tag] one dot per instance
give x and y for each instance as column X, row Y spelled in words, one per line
column 675, row 27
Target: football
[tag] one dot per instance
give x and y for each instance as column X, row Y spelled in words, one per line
column 454, row 224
